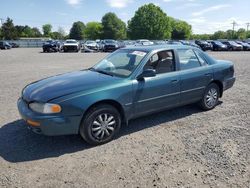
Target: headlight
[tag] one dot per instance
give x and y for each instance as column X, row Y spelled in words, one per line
column 47, row 108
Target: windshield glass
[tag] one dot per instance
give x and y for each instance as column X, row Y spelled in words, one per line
column 70, row 41
column 233, row 43
column 218, row 42
column 120, row 63
column 90, row 42
column 110, row 41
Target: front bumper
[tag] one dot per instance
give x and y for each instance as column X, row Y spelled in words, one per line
column 228, row 83
column 50, row 125
column 110, row 48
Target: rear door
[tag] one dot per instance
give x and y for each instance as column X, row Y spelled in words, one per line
column 195, row 75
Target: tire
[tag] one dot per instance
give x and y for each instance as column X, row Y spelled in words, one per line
column 210, row 97
column 100, row 124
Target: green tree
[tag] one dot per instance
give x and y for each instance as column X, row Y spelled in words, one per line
column 9, row 30
column 149, row 22
column 61, row 32
column 113, row 27
column 181, row 30
column 36, row 32
column 201, row 36
column 1, row 35
column 219, row 35
column 93, row 30
column 231, row 34
column 248, row 34
column 47, row 28
column 77, row 31
column 241, row 34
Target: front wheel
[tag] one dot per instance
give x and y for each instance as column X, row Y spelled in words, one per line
column 100, row 125
column 210, row 97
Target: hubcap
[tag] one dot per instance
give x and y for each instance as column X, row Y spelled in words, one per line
column 211, row 97
column 103, row 126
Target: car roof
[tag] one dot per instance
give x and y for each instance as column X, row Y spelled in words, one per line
column 159, row 47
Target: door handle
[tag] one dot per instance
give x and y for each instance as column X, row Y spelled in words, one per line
column 208, row 74
column 174, row 81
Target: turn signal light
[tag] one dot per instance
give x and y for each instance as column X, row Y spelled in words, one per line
column 33, row 123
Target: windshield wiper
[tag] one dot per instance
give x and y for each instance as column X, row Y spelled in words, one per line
column 101, row 71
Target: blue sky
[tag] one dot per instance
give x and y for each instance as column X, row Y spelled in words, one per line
column 205, row 16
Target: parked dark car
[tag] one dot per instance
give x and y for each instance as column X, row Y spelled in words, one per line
column 14, row 45
column 109, row 45
column 4, row 45
column 204, row 45
column 245, row 45
column 127, row 84
column 218, row 46
column 52, row 46
column 233, row 46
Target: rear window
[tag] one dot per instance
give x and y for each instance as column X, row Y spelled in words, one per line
column 188, row 59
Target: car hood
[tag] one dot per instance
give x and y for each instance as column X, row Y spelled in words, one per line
column 64, row 84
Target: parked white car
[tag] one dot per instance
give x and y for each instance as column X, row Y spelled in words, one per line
column 71, row 45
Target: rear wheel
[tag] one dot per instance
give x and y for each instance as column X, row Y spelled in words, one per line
column 210, row 97
column 100, row 125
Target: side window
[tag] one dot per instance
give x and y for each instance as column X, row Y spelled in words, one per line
column 200, row 58
column 162, row 62
column 188, row 59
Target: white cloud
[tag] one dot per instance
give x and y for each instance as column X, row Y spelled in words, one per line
column 74, row 2
column 197, row 20
column 201, row 25
column 210, row 9
column 118, row 3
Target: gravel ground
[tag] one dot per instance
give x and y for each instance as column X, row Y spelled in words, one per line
column 183, row 147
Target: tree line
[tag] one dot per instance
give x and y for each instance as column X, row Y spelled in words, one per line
column 240, row 34
column 148, row 22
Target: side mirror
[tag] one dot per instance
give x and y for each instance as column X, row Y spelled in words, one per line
column 146, row 73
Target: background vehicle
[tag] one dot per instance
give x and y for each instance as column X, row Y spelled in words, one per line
column 4, row 45
column 245, row 45
column 203, row 44
column 71, row 45
column 190, row 43
column 218, row 46
column 109, row 45
column 231, row 45
column 90, row 44
column 144, row 42
column 127, row 84
column 14, row 45
column 52, row 46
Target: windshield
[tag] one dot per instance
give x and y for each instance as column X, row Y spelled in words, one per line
column 90, row 42
column 120, row 63
column 109, row 41
column 218, row 42
column 233, row 43
column 70, row 41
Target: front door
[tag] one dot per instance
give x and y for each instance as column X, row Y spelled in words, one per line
column 159, row 92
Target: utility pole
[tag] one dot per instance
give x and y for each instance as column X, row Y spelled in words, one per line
column 1, row 20
column 234, row 24
column 248, row 24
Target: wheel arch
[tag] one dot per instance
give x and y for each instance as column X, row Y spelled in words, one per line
column 111, row 102
column 220, row 85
